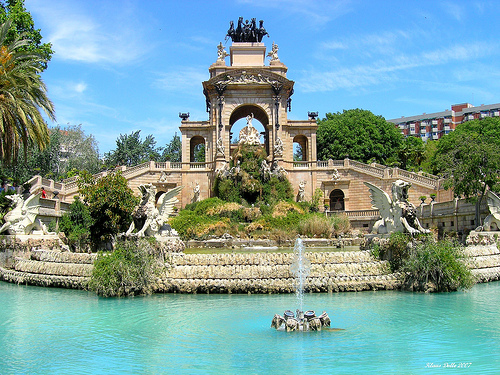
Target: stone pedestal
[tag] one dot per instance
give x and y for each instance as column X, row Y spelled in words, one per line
column 247, row 54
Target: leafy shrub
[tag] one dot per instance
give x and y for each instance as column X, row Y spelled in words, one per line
column 131, row 269
column 396, row 249
column 436, row 266
column 190, row 225
column 316, row 226
column 110, row 202
column 341, row 224
column 284, row 208
column 5, row 203
column 76, row 224
column 316, row 200
column 204, row 206
column 281, row 236
column 249, row 184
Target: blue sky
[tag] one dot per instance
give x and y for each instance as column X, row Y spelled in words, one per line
column 125, row 65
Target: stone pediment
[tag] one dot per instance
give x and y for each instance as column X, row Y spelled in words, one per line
column 249, row 76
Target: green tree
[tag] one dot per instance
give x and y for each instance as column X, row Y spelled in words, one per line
column 469, row 159
column 22, row 26
column 427, row 163
column 411, row 153
column 173, row 151
column 69, row 152
column 22, row 95
column 357, row 134
column 76, row 225
column 78, row 152
column 131, row 150
column 110, row 202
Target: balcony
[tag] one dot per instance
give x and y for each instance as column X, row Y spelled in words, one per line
column 447, row 128
column 447, row 120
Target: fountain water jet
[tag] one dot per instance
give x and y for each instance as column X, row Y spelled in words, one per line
column 300, row 321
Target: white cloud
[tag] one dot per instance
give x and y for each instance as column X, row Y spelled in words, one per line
column 182, row 80
column 315, row 13
column 80, row 87
column 78, row 36
column 385, row 71
column 454, row 10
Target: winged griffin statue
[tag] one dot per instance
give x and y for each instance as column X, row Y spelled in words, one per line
column 398, row 215
column 23, row 217
column 148, row 217
column 492, row 221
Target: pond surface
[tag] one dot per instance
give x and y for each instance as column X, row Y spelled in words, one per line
column 57, row 331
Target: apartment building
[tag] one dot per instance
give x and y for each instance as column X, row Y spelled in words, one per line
column 435, row 125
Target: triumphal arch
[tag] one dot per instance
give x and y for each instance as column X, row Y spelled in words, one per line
column 248, row 88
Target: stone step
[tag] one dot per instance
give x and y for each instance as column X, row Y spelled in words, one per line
column 270, row 259
column 63, row 257
column 52, row 268
column 479, row 250
column 17, row 277
column 276, row 271
column 323, row 284
column 486, row 261
column 487, row 274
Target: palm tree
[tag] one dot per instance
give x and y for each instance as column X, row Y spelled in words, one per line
column 22, row 97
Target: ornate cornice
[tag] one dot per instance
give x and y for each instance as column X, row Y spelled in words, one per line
column 249, row 76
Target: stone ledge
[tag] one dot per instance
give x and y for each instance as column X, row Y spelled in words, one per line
column 69, row 282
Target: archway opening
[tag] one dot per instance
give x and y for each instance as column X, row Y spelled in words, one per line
column 197, row 149
column 238, row 121
column 337, row 200
column 300, row 148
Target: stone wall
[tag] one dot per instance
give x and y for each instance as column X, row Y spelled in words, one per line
column 270, row 273
column 240, row 272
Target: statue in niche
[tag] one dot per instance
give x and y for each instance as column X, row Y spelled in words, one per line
column 196, row 193
column 23, row 217
column 398, row 215
column 273, row 54
column 221, row 150
column 148, row 217
column 278, row 147
column 221, row 53
column 301, row 195
column 249, row 135
column 492, row 221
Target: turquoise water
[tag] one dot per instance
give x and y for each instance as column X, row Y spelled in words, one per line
column 56, row 331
